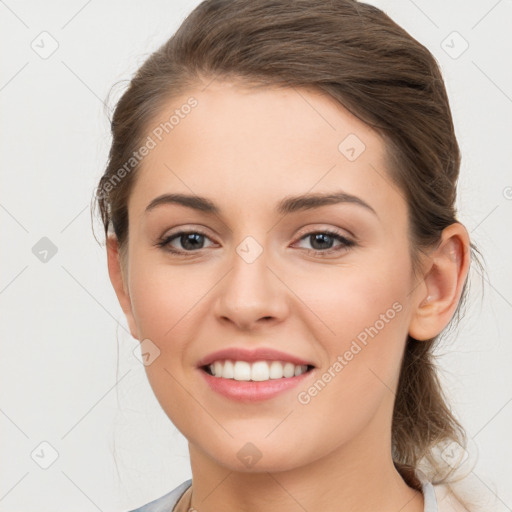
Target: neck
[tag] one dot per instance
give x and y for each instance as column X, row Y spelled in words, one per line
column 355, row 477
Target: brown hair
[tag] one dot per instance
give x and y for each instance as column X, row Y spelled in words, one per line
column 357, row 55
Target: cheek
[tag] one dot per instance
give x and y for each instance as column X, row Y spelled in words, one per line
column 166, row 302
column 350, row 298
column 360, row 371
column 363, row 325
column 164, row 298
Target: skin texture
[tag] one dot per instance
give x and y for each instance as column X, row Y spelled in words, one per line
column 247, row 149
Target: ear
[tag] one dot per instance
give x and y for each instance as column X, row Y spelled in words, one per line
column 446, row 272
column 118, row 281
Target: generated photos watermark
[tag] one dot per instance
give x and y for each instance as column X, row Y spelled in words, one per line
column 151, row 142
column 357, row 345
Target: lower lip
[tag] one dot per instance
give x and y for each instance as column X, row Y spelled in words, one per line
column 252, row 391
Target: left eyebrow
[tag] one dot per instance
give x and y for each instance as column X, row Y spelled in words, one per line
column 308, row 201
column 287, row 205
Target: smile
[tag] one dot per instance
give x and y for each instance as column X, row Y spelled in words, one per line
column 258, row 371
column 253, row 381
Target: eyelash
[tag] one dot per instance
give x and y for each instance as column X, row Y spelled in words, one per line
column 164, row 243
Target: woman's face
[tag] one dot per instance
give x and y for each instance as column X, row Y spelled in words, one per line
column 270, row 272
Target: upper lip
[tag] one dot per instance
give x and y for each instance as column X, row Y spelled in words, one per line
column 257, row 354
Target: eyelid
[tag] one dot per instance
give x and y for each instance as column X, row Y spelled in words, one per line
column 309, row 230
column 167, row 237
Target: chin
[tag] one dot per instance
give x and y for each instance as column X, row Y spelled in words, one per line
column 248, row 457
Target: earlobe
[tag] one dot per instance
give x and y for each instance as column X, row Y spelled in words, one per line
column 445, row 274
column 119, row 283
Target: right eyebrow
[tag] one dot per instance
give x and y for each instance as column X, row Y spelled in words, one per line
column 196, row 202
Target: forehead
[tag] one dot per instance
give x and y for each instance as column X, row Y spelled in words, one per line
column 247, row 148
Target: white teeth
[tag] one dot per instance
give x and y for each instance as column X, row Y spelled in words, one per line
column 257, row 371
column 276, row 370
column 217, row 369
column 228, row 372
column 242, row 370
column 260, row 371
column 289, row 370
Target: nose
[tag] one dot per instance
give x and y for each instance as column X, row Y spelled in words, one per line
column 251, row 295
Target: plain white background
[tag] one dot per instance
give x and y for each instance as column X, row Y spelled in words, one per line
column 69, row 378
